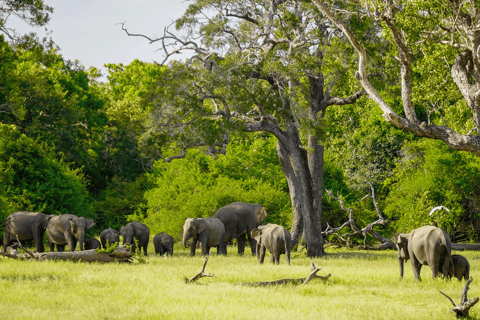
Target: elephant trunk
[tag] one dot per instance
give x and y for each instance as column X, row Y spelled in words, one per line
column 401, row 263
column 81, row 238
column 186, row 243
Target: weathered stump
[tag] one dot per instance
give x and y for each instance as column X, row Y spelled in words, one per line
column 463, row 309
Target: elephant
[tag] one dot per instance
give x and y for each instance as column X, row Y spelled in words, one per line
column 26, row 225
column 208, row 231
column 109, row 236
column 460, row 268
column 163, row 244
column 92, row 244
column 274, row 238
column 140, row 232
column 67, row 229
column 239, row 219
column 427, row 245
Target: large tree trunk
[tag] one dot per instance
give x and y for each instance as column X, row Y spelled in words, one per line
column 294, row 160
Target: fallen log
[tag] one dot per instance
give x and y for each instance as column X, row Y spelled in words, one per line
column 466, row 246
column 463, row 309
column 312, row 275
column 121, row 254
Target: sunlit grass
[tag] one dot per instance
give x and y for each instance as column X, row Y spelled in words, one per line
column 363, row 285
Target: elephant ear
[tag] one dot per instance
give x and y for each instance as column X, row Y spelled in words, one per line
column 256, row 233
column 201, row 226
column 73, row 226
column 89, row 223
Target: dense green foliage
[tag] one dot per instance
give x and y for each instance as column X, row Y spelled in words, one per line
column 430, row 174
column 32, row 179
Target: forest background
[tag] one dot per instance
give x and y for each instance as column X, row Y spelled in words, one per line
column 72, row 144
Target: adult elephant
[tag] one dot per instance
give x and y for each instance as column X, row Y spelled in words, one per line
column 239, row 219
column 209, row 232
column 27, row 226
column 274, row 238
column 163, row 244
column 109, row 236
column 67, row 229
column 140, row 232
column 427, row 245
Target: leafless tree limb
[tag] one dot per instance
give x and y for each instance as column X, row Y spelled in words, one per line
column 201, row 274
column 463, row 309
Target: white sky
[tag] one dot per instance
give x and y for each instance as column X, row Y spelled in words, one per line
column 88, row 30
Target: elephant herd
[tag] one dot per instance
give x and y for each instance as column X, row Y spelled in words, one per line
column 238, row 220
column 69, row 229
column 241, row 221
column 427, row 245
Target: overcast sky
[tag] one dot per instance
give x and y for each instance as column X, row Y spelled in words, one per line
column 88, row 30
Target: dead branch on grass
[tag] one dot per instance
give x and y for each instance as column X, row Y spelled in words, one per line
column 463, row 309
column 201, row 274
column 312, row 275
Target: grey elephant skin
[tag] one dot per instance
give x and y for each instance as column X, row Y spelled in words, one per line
column 427, row 245
column 209, row 232
column 140, row 232
column 67, row 229
column 239, row 219
column 460, row 268
column 163, row 243
column 109, row 236
column 27, row 225
column 274, row 238
column 92, row 244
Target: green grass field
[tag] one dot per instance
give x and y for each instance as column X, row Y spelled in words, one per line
column 363, row 285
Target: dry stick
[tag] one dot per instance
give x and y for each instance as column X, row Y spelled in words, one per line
column 201, row 274
column 306, row 280
column 463, row 309
column 30, row 253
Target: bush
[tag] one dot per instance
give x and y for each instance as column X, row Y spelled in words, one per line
column 31, row 179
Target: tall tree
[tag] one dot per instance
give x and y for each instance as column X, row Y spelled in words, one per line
column 256, row 66
column 430, row 36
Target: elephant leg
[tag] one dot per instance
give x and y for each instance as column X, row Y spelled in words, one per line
column 253, row 246
column 446, row 266
column 6, row 241
column 272, row 258
column 193, row 246
column 52, row 246
column 60, row 248
column 416, row 267
column 262, row 254
column 241, row 244
column 145, row 249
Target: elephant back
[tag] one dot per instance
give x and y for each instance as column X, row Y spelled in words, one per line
column 237, row 217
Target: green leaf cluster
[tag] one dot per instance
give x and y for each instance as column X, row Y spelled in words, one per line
column 32, row 179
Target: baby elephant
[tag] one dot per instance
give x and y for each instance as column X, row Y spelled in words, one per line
column 92, row 244
column 461, row 268
column 109, row 236
column 276, row 239
column 163, row 244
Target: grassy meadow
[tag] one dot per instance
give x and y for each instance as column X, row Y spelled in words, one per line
column 363, row 285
